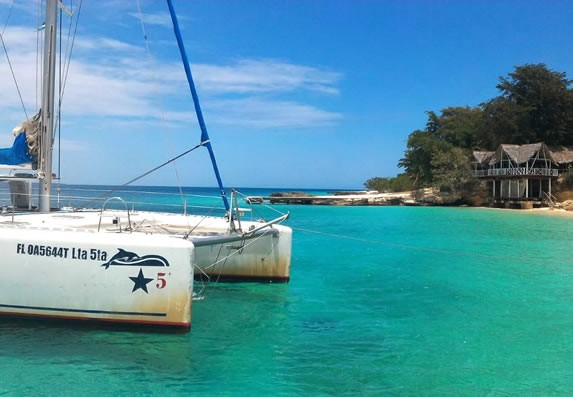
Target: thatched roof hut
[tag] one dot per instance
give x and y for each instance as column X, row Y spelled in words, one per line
column 521, row 154
column 562, row 155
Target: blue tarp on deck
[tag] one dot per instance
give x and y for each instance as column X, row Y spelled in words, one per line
column 17, row 154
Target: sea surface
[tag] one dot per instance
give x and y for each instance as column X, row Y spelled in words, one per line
column 383, row 301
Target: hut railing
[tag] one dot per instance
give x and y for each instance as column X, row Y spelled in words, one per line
column 517, row 171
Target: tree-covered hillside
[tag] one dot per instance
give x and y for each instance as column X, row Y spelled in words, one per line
column 535, row 104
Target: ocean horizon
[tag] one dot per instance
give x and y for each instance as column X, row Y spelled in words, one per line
column 397, row 301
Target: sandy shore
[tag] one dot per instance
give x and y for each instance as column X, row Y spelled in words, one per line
column 540, row 211
column 551, row 211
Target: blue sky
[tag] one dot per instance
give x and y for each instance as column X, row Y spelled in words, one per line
column 307, row 94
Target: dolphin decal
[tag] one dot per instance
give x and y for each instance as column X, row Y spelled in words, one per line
column 126, row 258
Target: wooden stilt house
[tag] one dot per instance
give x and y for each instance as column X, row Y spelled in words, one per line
column 522, row 175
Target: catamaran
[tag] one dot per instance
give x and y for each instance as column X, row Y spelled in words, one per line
column 113, row 263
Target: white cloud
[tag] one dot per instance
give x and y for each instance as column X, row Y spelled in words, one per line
column 29, row 6
column 103, row 43
column 112, row 78
column 98, row 90
column 114, row 85
column 21, row 40
column 262, row 76
column 23, row 61
column 159, row 19
column 260, row 113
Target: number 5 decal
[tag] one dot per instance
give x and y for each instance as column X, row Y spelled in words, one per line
column 161, row 282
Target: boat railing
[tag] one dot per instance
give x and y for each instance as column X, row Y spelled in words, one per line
column 255, row 229
column 93, row 198
column 116, row 218
column 86, row 198
column 234, row 214
column 235, row 195
column 143, row 199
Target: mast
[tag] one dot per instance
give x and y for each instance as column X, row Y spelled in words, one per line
column 47, row 122
column 204, row 135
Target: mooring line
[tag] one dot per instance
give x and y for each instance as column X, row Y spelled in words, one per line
column 413, row 247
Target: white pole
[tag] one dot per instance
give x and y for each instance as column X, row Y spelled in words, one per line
column 48, row 84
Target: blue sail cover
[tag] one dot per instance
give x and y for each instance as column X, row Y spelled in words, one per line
column 18, row 153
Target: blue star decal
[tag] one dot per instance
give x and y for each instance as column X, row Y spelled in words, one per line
column 140, row 282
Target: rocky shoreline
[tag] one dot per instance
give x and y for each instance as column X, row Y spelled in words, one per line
column 339, row 199
column 426, row 197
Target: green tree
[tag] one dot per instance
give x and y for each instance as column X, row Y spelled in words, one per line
column 502, row 122
column 417, row 161
column 452, row 170
column 378, row 184
column 457, row 125
column 454, row 127
column 535, row 105
column 400, row 183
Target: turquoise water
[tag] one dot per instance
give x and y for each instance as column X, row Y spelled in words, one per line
column 397, row 301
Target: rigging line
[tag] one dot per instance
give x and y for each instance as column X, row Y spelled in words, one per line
column 111, row 191
column 192, row 229
column 149, row 193
column 59, row 116
column 13, row 75
column 68, row 41
column 244, row 196
column 402, row 246
column 8, row 17
column 155, row 78
column 69, row 55
column 165, row 163
column 38, row 16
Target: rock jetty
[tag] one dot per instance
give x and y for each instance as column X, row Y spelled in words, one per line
column 342, row 198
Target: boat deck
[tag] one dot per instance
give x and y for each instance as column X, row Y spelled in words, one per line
column 118, row 221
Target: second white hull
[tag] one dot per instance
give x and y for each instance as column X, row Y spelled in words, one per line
column 263, row 257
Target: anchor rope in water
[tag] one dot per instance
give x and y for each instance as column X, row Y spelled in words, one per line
column 224, row 260
column 201, row 294
column 204, row 285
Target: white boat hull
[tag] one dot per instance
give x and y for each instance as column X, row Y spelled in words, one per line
column 220, row 254
column 73, row 275
column 264, row 256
